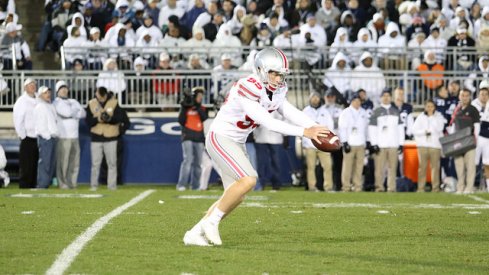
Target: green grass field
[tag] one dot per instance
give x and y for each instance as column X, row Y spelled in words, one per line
column 287, row 232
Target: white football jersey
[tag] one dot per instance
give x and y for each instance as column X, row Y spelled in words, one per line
column 232, row 120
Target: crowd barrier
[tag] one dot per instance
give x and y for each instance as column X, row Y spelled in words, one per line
column 165, row 89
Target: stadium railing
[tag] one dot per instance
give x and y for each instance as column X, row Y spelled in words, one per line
column 161, row 89
column 315, row 57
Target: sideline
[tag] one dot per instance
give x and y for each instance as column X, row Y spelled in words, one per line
column 68, row 255
column 479, row 199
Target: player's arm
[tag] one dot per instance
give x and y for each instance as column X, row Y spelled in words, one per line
column 296, row 116
column 261, row 116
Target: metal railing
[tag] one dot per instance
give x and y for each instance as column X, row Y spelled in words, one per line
column 161, row 89
column 453, row 58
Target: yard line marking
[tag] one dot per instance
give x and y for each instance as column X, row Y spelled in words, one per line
column 478, row 199
column 68, row 255
column 83, row 196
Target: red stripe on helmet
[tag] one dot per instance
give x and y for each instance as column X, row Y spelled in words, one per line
column 284, row 58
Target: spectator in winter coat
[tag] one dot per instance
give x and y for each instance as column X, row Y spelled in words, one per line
column 353, row 127
column 235, row 24
column 392, row 45
column 321, row 116
column 481, row 72
column 77, row 21
column 369, row 77
column 431, row 74
column 364, row 43
column 112, row 79
column 482, row 22
column 386, row 133
column 22, row 52
column 435, row 43
column 191, row 15
column 340, row 44
column 328, row 15
column 198, row 43
column 339, row 75
column 171, row 8
column 226, row 42
column 151, row 27
column 427, row 130
column 47, row 133
column 317, row 35
column 299, row 15
column 464, row 58
column 376, row 27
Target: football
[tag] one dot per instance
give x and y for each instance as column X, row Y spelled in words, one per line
column 329, row 143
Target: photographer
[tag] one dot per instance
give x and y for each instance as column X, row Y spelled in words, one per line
column 191, row 118
column 104, row 117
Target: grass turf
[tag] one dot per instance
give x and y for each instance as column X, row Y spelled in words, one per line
column 288, row 232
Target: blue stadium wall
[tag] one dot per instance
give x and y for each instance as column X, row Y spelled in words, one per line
column 153, row 153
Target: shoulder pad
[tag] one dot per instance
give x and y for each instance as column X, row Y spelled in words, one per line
column 250, row 88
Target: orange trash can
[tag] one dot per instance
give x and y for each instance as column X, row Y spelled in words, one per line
column 411, row 163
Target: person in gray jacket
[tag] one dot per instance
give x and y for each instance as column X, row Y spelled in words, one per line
column 386, row 133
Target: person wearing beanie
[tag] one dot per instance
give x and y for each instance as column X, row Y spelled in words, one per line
column 386, row 133
column 46, row 129
column 69, row 112
column 353, row 126
column 319, row 114
column 24, row 122
column 431, row 73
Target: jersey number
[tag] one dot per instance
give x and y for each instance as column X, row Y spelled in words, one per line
column 257, row 84
column 247, row 123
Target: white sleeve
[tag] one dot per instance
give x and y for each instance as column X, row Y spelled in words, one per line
column 294, row 115
column 77, row 109
column 63, row 110
column 256, row 112
column 372, row 133
column 19, row 117
column 41, row 123
column 401, row 134
column 3, row 158
column 419, row 126
column 343, row 127
column 469, row 82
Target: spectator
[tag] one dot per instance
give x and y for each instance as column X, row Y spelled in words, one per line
column 481, row 72
column 417, row 26
column 483, row 40
column 249, row 30
column 173, row 38
column 166, row 85
column 482, row 22
column 431, row 73
column 227, row 7
column 405, row 112
column 446, row 32
column 302, row 9
column 69, row 112
column 148, row 45
column 236, row 23
column 427, row 130
column 224, row 74
column 198, row 43
column 287, row 41
column 464, row 58
column 22, row 51
column 268, row 145
column 392, row 45
column 72, row 45
column 317, row 35
column 338, row 76
column 340, row 44
column 415, row 51
column 227, row 43
column 461, row 15
column 174, row 23
column 353, row 126
column 386, row 134
column 364, row 43
column 334, row 109
column 321, row 116
column 47, row 133
column 60, row 19
column 138, row 86
column 104, row 117
column 349, row 22
column 191, row 117
column 466, row 115
column 25, row 127
column 188, row 19
column 327, row 16
column 376, row 27
column 369, row 77
column 212, row 28
column 3, row 174
column 122, row 10
column 359, row 13
column 263, row 38
column 282, row 11
column 97, row 52
column 444, row 104
column 138, row 19
column 77, row 21
column 206, row 17
column 249, row 65
column 149, row 26
column 153, row 10
column 112, row 79
column 101, row 13
column 366, row 103
column 273, row 25
column 435, row 43
column 171, row 8
column 483, row 138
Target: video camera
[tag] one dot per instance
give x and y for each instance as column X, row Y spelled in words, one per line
column 190, row 95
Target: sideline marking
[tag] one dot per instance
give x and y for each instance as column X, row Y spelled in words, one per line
column 68, row 255
column 479, row 199
column 83, row 196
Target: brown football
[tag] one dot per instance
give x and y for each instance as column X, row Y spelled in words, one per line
column 329, row 143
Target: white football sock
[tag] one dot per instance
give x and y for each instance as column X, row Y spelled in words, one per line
column 216, row 216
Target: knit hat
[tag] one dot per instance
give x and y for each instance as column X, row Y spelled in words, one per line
column 60, row 84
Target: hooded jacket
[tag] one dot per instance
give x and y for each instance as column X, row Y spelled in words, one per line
column 360, row 46
column 235, row 23
column 113, row 80
column 340, row 79
column 481, row 22
column 227, row 42
column 477, row 75
column 392, row 46
column 153, row 30
column 370, row 79
column 340, row 46
column 327, row 18
column 83, row 30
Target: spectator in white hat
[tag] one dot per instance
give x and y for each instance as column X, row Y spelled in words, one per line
column 69, row 112
column 24, row 122
column 22, row 51
column 112, row 79
column 224, row 74
column 369, row 77
column 46, row 129
column 95, row 57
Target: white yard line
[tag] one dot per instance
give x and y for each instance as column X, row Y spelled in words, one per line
column 479, row 199
column 68, row 255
